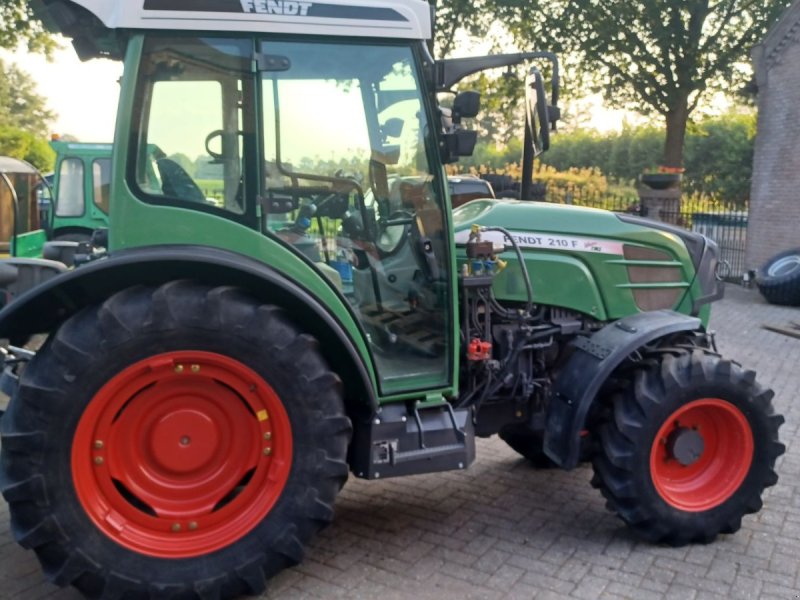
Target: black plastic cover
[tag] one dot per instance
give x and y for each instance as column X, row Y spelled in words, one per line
column 593, row 361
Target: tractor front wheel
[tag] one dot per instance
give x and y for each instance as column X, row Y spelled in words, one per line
column 181, row 441
column 688, row 449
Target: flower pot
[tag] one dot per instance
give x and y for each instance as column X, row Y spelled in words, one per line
column 661, row 181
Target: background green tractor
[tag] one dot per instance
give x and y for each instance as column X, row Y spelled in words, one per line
column 206, row 387
column 81, row 189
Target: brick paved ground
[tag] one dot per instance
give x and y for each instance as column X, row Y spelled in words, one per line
column 504, row 530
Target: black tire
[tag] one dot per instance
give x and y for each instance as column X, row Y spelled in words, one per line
column 676, row 381
column 528, row 443
column 36, row 476
column 778, row 279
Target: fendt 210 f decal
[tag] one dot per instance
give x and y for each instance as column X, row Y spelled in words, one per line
column 545, row 241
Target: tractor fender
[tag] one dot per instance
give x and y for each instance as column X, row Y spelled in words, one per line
column 43, row 308
column 594, row 360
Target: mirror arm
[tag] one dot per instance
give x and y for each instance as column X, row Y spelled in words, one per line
column 528, row 156
column 452, row 70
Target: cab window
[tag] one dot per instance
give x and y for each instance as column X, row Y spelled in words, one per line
column 101, row 183
column 190, row 139
column 70, row 202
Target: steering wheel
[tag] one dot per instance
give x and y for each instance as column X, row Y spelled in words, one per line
column 394, row 231
column 217, row 156
column 177, row 183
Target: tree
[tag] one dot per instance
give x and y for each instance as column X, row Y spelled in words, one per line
column 26, row 146
column 659, row 57
column 501, row 117
column 21, row 106
column 24, row 118
column 19, row 25
column 453, row 16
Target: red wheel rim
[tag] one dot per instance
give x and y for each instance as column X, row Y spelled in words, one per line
column 181, row 454
column 715, row 475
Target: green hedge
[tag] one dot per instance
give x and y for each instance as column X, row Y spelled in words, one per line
column 718, row 155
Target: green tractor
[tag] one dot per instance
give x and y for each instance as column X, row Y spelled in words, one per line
column 82, row 190
column 206, row 387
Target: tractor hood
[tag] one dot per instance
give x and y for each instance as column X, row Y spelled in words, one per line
column 592, row 261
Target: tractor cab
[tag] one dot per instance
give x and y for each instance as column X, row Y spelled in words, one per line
column 324, row 148
column 314, row 131
column 81, row 189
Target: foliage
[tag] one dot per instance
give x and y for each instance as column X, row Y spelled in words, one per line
column 453, row 16
column 24, row 118
column 719, row 156
column 563, row 185
column 654, row 56
column 22, row 144
column 502, row 115
column 19, row 25
column 21, row 106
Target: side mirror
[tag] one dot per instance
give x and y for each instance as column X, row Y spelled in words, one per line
column 392, row 128
column 538, row 120
column 467, row 105
column 458, row 143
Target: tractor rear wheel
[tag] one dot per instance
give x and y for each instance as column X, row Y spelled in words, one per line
column 181, row 441
column 689, row 448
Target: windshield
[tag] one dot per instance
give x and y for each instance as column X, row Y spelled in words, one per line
column 348, row 184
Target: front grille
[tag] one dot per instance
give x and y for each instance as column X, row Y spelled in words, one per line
column 660, row 296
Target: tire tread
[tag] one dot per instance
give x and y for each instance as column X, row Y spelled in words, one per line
column 138, row 311
column 615, row 465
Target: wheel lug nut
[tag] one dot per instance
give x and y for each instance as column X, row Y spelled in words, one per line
column 192, row 526
column 186, row 440
column 99, row 445
column 98, row 460
column 176, row 527
column 195, row 368
column 267, row 451
column 179, row 368
column 267, row 435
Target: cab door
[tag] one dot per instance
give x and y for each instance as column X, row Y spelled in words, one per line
column 349, row 182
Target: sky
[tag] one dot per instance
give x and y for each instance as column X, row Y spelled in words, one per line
column 84, row 96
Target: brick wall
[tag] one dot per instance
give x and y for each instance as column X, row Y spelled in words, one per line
column 774, row 223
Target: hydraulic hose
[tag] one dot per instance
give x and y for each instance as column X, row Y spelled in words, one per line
column 522, row 265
